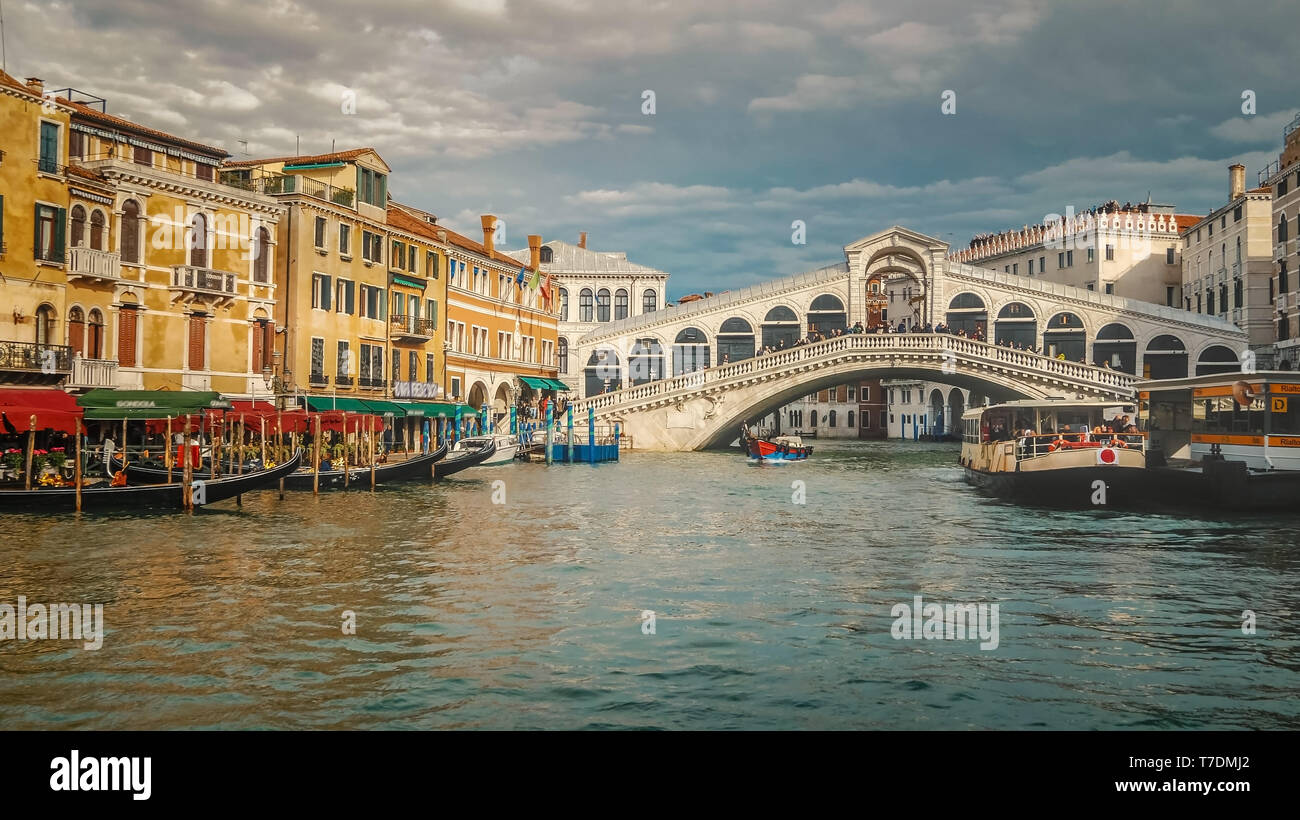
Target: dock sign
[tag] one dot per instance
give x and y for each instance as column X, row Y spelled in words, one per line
column 1278, row 403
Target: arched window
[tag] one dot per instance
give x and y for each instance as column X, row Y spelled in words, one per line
column 1016, row 326
column 1116, row 347
column 735, row 341
column 830, row 420
column 262, row 250
column 603, row 373
column 850, row 418
column 826, row 315
column 95, row 335
column 1065, row 335
column 584, row 305
column 602, row 305
column 77, row 218
column 620, row 304
column 1165, row 358
column 1281, row 227
column 45, row 325
column 130, row 226
column 649, row 301
column 199, row 241
column 76, row 329
column 1217, row 359
column 646, row 362
column 780, row 328
column 562, row 351
column 564, row 304
column 546, row 255
column 97, row 230
column 966, row 312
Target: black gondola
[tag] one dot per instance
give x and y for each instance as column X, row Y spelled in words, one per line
column 417, row 467
column 459, row 462
column 205, row 491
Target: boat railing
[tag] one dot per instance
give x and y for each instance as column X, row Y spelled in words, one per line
column 1047, row 443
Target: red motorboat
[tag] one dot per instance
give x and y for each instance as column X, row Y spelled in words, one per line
column 780, row 448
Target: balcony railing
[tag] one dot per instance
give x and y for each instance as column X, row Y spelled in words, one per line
column 290, row 184
column 343, row 381
column 404, row 326
column 92, row 264
column 36, row 358
column 204, row 280
column 93, row 373
column 371, row 383
column 318, row 380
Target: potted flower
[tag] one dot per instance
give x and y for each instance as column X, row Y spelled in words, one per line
column 13, row 459
column 40, row 458
column 57, row 458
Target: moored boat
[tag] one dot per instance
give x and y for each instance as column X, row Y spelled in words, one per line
column 456, row 463
column 507, row 447
column 1226, row 441
column 204, row 491
column 779, row 448
column 1055, row 453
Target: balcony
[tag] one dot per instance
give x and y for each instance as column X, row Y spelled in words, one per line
column 407, row 328
column 367, row 383
column 290, row 184
column 343, row 381
column 188, row 279
column 32, row 363
column 318, row 380
column 89, row 373
column 96, row 266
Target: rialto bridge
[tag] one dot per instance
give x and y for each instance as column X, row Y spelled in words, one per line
column 686, row 377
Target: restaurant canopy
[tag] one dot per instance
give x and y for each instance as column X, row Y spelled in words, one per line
column 149, row 404
column 543, row 384
column 54, row 409
column 437, row 410
column 321, row 404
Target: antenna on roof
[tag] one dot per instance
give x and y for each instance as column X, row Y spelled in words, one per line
column 245, row 144
column 297, row 145
column 331, row 146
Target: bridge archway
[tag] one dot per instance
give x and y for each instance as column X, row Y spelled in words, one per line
column 904, row 282
column 876, row 301
column 826, row 315
column 603, row 372
column 956, row 407
column 1217, row 359
column 936, row 413
column 735, row 340
column 781, row 328
column 690, row 351
column 645, row 361
column 478, row 395
column 1165, row 358
column 1066, row 335
column 1115, row 344
column 1017, row 326
column 967, row 313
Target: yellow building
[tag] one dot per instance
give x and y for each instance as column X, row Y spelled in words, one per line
column 501, row 333
column 361, row 296
column 33, row 235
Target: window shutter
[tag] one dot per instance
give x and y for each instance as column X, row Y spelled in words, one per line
column 196, row 342
column 360, row 191
column 36, row 240
column 352, row 292
column 383, row 305
column 326, row 292
column 76, row 334
column 382, row 194
column 60, row 232
column 126, row 325
column 259, row 340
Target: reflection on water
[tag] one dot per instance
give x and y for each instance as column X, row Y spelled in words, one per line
column 770, row 614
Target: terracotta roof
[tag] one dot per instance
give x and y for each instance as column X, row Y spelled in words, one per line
column 315, row 159
column 10, row 80
column 399, row 217
column 1185, row 221
column 118, row 123
column 1264, row 190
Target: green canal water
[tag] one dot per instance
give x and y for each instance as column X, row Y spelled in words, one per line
column 768, row 613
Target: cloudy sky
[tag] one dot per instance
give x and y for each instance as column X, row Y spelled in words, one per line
column 764, row 112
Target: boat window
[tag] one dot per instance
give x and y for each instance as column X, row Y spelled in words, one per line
column 1285, row 416
column 1224, row 415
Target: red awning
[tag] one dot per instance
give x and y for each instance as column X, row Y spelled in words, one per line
column 251, row 408
column 53, row 409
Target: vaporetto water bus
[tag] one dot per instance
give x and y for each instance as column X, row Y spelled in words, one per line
column 1055, row 452
column 1225, row 441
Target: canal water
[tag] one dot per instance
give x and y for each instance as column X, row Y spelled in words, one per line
column 767, row 613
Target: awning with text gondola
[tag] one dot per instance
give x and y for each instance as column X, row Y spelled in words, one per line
column 149, row 404
column 53, row 409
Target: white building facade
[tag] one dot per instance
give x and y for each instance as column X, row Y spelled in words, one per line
column 918, row 409
column 1283, row 179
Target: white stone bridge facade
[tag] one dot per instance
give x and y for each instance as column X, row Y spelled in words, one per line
column 687, row 377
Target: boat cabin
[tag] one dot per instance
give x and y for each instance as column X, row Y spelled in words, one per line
column 1253, row 418
column 1047, row 435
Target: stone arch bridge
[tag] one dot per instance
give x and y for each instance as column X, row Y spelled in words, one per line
column 686, row 377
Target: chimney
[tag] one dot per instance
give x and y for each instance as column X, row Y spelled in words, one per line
column 582, row 239
column 534, row 251
column 489, row 225
column 1236, row 181
column 36, row 84
column 442, row 236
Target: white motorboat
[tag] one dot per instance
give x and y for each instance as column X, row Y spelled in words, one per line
column 507, row 448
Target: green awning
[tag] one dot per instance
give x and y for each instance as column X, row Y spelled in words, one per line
column 384, row 408
column 410, row 283
column 537, row 384
column 321, row 404
column 558, row 385
column 436, row 410
column 104, row 403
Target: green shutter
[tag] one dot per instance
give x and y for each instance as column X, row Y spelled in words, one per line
column 352, row 292
column 382, row 199
column 36, row 239
column 360, row 190
column 327, row 290
column 433, row 312
column 60, row 232
column 383, row 305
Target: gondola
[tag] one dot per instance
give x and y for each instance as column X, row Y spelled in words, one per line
column 205, row 491
column 420, row 466
column 459, row 462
